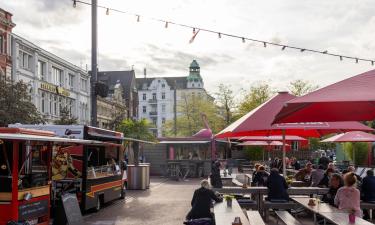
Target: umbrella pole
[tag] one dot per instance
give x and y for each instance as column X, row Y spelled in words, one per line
column 284, row 155
column 353, row 155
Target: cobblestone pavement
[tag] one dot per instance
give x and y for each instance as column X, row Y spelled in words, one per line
column 165, row 203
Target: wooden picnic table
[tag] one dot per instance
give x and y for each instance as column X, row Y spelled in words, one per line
column 318, row 208
column 342, row 218
column 225, row 215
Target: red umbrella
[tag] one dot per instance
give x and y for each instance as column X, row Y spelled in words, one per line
column 262, row 143
column 353, row 136
column 352, row 99
column 258, row 122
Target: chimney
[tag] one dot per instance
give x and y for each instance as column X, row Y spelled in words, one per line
column 144, row 72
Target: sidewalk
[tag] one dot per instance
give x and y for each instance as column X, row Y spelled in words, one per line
column 165, row 203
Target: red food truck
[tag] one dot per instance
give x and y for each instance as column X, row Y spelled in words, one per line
column 92, row 170
column 25, row 174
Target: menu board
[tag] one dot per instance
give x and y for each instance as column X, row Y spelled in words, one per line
column 33, row 210
column 72, row 210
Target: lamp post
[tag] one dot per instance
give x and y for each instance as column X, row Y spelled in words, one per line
column 94, row 66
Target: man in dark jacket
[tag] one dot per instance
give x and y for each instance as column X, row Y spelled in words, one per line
column 260, row 177
column 367, row 190
column 324, row 160
column 277, row 187
column 215, row 175
column 335, row 182
column 202, row 202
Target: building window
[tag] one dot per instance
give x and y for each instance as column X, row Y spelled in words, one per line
column 55, row 111
column 163, row 120
column 163, row 85
column 163, row 108
column 162, row 95
column 2, row 43
column 57, row 77
column 192, row 85
column 50, row 104
column 83, row 85
column 144, row 97
column 71, row 81
column 153, row 96
column 43, row 103
column 42, row 70
column 154, row 121
column 25, row 60
column 144, row 109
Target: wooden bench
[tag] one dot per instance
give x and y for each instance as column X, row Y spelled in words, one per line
column 276, row 205
column 369, row 206
column 255, row 218
column 286, row 218
column 247, row 203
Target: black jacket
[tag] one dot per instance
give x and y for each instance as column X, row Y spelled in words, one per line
column 201, row 203
column 324, row 161
column 277, row 187
column 368, row 189
column 296, row 165
column 330, row 196
column 260, row 179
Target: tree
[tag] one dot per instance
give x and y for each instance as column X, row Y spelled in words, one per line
column 189, row 119
column 301, row 87
column 66, row 117
column 258, row 94
column 118, row 115
column 16, row 105
column 225, row 99
column 137, row 130
column 360, row 151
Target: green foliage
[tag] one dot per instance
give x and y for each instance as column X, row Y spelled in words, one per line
column 301, row 87
column 225, row 100
column 254, row 152
column 189, row 120
column 16, row 105
column 258, row 94
column 66, row 117
column 315, row 144
column 360, row 151
column 118, row 115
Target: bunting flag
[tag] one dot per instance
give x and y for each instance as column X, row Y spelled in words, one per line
column 193, row 37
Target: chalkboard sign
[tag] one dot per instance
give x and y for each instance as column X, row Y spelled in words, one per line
column 72, row 210
column 33, row 210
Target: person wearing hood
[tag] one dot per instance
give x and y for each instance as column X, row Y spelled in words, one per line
column 277, row 187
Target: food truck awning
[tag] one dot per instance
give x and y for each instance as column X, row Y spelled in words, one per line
column 138, row 140
column 184, row 142
column 28, row 137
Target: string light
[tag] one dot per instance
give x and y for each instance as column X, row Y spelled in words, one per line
column 283, row 48
column 356, row 60
column 220, row 34
column 107, row 12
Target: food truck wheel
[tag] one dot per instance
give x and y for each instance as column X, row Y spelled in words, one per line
column 98, row 203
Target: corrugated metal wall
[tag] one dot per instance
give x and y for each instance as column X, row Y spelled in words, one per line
column 157, row 156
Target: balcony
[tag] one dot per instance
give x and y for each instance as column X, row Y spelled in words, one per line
column 152, row 101
column 153, row 113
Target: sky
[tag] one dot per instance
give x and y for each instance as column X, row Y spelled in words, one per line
column 339, row 26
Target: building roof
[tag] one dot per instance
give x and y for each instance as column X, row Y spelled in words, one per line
column 178, row 82
column 126, row 79
column 194, row 64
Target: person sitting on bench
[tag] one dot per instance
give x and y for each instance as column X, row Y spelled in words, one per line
column 367, row 191
column 277, row 187
column 202, row 202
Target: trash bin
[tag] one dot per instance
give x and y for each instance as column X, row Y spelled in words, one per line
column 138, row 176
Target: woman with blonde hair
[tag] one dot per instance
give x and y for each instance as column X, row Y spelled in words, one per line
column 349, row 197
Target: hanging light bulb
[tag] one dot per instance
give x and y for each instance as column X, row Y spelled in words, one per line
column 74, row 3
column 107, row 12
column 340, row 58
column 166, row 24
column 325, row 52
column 372, row 63
column 243, row 40
column 265, row 44
column 193, row 30
column 356, row 60
column 219, row 35
column 283, row 48
column 302, row 50
column 138, row 18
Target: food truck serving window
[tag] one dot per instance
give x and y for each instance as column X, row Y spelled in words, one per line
column 6, row 163
column 102, row 161
column 32, row 166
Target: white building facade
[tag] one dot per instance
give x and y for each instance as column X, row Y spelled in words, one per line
column 54, row 82
column 158, row 96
